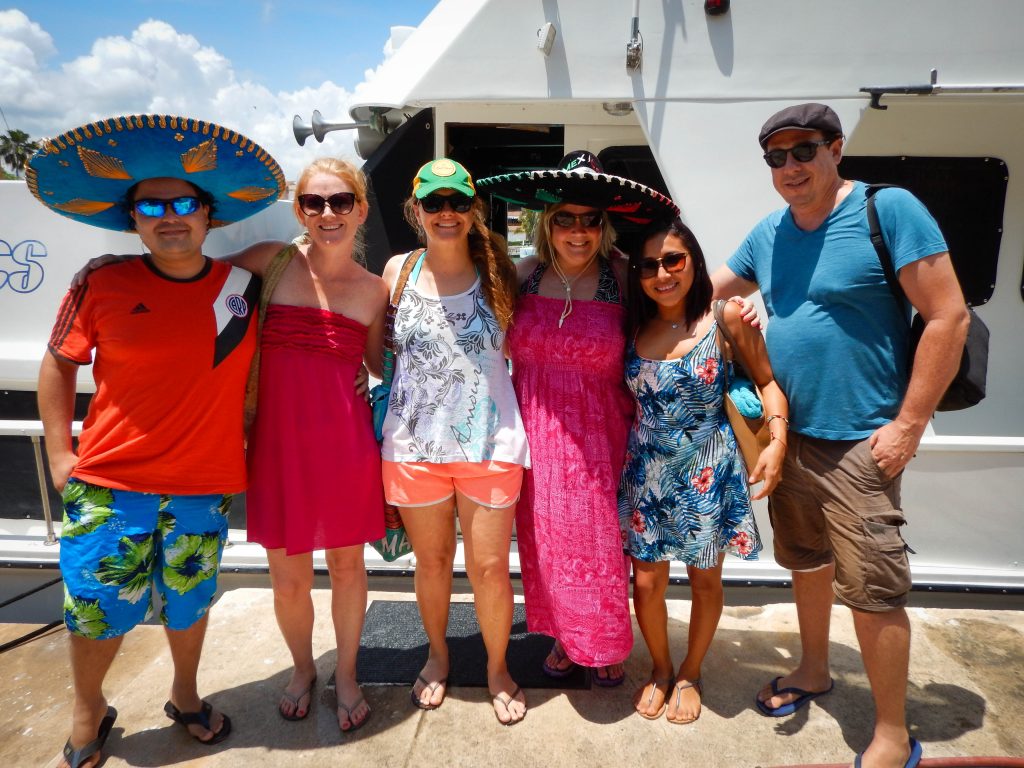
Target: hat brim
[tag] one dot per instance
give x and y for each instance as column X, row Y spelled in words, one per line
column 84, row 174
column 624, row 199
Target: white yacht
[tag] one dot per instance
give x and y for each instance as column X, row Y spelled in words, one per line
column 671, row 93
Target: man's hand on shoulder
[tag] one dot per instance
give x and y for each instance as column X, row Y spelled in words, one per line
column 894, row 445
column 96, row 263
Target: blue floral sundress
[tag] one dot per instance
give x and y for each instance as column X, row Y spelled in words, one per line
column 683, row 494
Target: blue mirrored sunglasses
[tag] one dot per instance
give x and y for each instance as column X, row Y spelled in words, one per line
column 155, row 208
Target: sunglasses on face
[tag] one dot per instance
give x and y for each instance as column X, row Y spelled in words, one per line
column 340, row 202
column 155, row 208
column 803, row 152
column 567, row 220
column 436, row 203
column 671, row 262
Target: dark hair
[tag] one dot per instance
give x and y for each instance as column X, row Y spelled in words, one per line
column 128, row 200
column 698, row 300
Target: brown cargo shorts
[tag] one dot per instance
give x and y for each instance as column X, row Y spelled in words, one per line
column 835, row 505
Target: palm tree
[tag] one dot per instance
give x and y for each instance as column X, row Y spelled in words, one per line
column 16, row 147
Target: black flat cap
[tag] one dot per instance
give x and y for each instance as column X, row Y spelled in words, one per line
column 804, row 117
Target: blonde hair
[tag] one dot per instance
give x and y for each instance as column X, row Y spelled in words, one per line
column 542, row 236
column 488, row 252
column 349, row 173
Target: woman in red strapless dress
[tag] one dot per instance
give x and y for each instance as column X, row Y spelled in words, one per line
column 314, row 465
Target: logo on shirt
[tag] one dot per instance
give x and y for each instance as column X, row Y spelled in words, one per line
column 139, row 309
column 237, row 305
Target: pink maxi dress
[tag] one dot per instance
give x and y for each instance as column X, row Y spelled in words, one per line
column 314, row 465
column 577, row 413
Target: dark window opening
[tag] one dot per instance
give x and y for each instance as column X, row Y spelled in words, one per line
column 636, row 163
column 489, row 150
column 966, row 196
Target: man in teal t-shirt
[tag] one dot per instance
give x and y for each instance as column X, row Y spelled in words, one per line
column 838, row 344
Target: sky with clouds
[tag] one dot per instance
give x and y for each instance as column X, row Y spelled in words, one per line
column 246, row 64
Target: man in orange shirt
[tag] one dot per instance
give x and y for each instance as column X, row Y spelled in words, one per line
column 147, row 492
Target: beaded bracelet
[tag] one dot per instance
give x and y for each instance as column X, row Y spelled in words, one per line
column 776, row 416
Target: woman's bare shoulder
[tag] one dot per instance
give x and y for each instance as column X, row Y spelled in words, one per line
column 525, row 267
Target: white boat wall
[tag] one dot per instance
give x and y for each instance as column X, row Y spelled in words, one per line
column 673, row 95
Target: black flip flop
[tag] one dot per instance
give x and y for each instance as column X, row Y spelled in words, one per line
column 76, row 757
column 427, row 685
column 202, row 718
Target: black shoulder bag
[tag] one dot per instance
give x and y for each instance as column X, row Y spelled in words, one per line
column 968, row 386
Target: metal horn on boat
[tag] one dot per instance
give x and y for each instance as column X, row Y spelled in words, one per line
column 319, row 128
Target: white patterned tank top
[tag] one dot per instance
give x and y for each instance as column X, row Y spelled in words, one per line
column 451, row 395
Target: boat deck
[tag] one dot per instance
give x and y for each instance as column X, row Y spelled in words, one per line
column 965, row 693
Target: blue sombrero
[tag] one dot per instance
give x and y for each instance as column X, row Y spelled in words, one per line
column 84, row 174
column 580, row 179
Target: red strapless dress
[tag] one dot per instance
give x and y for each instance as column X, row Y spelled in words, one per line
column 314, row 465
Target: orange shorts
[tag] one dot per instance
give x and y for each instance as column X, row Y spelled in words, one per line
column 493, row 484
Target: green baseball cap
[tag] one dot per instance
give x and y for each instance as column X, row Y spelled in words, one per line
column 442, row 174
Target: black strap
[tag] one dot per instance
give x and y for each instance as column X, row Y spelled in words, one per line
column 875, row 232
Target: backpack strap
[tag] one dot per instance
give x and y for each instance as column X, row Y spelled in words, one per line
column 884, row 256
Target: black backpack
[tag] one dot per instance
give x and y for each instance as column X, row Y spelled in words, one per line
column 968, row 386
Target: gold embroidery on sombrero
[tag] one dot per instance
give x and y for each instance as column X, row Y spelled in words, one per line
column 252, row 194
column 202, row 157
column 83, row 207
column 102, row 166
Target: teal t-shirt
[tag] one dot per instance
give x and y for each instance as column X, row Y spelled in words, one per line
column 836, row 337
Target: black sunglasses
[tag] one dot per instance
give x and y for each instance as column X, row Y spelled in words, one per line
column 340, row 202
column 567, row 220
column 803, row 152
column 436, row 203
column 672, row 262
column 155, row 207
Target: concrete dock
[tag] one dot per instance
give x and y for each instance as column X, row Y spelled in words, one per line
column 965, row 696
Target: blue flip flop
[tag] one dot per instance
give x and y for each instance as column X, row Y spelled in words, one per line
column 557, row 672
column 803, row 697
column 916, row 752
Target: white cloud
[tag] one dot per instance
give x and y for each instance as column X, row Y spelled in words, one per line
column 158, row 69
column 24, row 47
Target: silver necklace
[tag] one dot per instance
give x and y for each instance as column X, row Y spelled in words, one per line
column 567, row 283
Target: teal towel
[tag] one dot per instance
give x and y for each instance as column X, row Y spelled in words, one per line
column 743, row 394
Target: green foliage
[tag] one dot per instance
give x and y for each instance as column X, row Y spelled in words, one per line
column 528, row 221
column 16, row 147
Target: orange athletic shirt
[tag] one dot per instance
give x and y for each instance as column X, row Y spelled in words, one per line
column 171, row 362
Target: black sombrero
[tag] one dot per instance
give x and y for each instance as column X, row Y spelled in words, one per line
column 84, row 174
column 580, row 179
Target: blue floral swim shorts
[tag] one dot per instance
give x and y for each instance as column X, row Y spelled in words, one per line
column 116, row 545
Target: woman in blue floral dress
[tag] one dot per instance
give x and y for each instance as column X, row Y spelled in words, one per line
column 684, row 493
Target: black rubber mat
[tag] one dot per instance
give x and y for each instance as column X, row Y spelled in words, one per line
column 393, row 649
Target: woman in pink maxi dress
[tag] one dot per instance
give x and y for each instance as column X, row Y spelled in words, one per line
column 577, row 413
column 567, row 347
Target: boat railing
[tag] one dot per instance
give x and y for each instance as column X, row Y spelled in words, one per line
column 33, row 430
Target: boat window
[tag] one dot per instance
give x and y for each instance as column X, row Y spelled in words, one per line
column 636, row 163
column 966, row 195
column 488, row 150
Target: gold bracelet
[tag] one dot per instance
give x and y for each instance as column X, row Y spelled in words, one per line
column 776, row 416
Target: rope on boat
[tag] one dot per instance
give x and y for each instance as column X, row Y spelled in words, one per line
column 35, row 632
